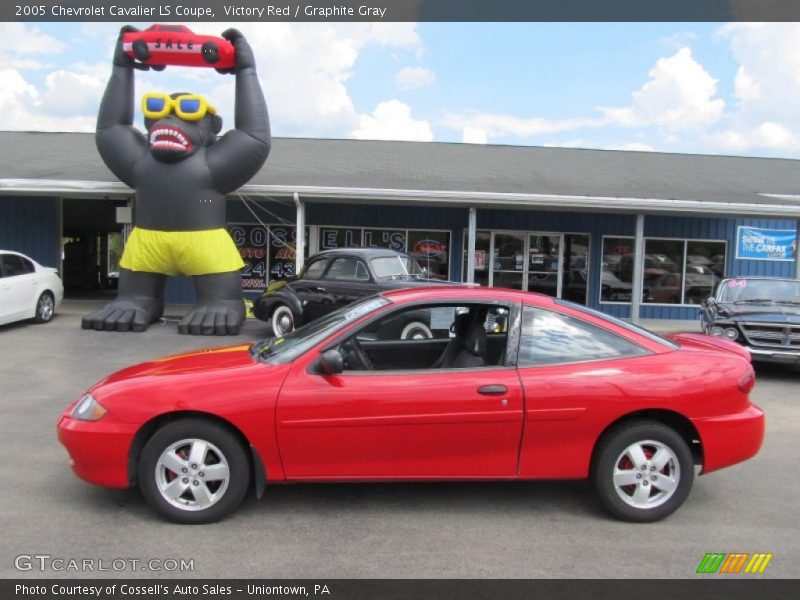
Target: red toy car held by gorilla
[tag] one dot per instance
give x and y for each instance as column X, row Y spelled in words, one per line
column 512, row 386
column 161, row 45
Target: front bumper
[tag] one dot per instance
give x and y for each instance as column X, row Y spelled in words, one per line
column 98, row 450
column 730, row 439
column 783, row 357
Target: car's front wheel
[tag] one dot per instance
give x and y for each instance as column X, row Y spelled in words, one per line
column 282, row 320
column 643, row 471
column 194, row 471
column 45, row 308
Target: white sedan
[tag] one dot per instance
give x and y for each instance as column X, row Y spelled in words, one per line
column 27, row 289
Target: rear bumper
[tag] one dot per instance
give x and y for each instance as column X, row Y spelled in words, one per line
column 730, row 439
column 98, row 450
column 784, row 357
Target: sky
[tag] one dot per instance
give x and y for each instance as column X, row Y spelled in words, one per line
column 709, row 88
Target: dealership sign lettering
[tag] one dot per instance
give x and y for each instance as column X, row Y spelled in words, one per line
column 754, row 243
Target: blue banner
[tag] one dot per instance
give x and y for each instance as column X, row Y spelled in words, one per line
column 754, row 243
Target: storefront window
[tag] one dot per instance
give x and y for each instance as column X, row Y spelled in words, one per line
column 705, row 267
column 617, row 273
column 384, row 238
column 339, row 237
column 675, row 271
column 663, row 276
column 432, row 251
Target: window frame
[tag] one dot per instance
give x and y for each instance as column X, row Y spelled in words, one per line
column 357, row 260
column 324, row 259
column 512, row 340
column 27, row 264
column 686, row 242
column 645, row 351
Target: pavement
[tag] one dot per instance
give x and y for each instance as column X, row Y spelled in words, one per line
column 427, row 530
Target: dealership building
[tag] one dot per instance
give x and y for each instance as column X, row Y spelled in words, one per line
column 634, row 234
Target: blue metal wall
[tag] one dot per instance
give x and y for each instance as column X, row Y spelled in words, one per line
column 31, row 225
column 180, row 289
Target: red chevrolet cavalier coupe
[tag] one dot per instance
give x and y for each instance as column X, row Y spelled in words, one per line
column 512, row 385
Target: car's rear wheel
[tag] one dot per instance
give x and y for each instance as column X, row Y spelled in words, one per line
column 45, row 308
column 282, row 320
column 194, row 471
column 643, row 471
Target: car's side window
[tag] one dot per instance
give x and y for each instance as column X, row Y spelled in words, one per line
column 345, row 269
column 16, row 265
column 361, row 272
column 549, row 338
column 444, row 336
column 315, row 269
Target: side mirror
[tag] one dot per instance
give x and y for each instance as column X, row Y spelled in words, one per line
column 331, row 362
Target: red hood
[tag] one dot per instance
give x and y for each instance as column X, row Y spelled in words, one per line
column 196, row 361
column 701, row 341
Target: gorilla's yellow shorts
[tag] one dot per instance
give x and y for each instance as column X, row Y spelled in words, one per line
column 181, row 252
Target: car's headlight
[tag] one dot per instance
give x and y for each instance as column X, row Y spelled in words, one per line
column 88, row 409
column 731, row 333
column 716, row 331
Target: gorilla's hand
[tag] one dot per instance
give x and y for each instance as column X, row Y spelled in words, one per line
column 244, row 53
column 123, row 60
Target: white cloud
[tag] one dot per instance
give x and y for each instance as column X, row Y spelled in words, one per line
column 680, row 95
column 18, row 38
column 498, row 124
column 630, row 147
column 474, row 135
column 409, row 78
column 69, row 94
column 392, row 120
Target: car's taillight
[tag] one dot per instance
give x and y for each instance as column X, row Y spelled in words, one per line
column 747, row 381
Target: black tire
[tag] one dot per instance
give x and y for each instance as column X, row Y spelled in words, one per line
column 140, row 50
column 210, row 53
column 184, row 509
column 644, row 500
column 45, row 308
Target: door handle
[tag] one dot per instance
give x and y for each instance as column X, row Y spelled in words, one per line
column 320, row 289
column 492, row 390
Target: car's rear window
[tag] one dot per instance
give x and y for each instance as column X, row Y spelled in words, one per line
column 654, row 337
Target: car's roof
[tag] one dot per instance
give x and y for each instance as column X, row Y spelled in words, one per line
column 364, row 252
column 761, row 277
column 455, row 292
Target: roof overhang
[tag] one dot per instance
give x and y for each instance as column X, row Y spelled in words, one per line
column 778, row 205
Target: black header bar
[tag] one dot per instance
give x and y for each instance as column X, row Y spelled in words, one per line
column 399, row 10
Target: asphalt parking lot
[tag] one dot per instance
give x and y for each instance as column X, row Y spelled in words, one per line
column 463, row 530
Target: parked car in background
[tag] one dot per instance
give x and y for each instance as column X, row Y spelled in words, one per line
column 334, row 278
column 27, row 289
column 523, row 386
column 762, row 314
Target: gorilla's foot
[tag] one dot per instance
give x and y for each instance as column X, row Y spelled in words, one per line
column 214, row 317
column 125, row 314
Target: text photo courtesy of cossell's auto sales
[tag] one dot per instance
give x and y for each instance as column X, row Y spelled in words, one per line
column 399, row 299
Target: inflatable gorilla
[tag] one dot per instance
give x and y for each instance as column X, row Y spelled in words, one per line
column 181, row 174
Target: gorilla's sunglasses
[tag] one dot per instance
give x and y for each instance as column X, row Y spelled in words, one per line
column 189, row 107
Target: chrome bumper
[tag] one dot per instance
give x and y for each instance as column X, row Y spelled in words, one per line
column 777, row 356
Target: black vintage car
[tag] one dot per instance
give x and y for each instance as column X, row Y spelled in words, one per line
column 762, row 314
column 334, row 278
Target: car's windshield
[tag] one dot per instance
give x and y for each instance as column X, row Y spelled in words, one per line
column 386, row 267
column 286, row 349
column 760, row 291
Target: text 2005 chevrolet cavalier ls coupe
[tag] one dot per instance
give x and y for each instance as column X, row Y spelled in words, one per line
column 512, row 385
